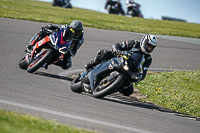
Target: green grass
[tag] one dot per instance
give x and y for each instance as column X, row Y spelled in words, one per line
column 11, row 122
column 45, row 12
column 179, row 91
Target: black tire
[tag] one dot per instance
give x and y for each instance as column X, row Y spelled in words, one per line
column 128, row 91
column 76, row 85
column 110, row 88
column 36, row 64
column 22, row 63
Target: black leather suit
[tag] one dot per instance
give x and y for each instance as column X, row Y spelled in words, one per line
column 103, row 55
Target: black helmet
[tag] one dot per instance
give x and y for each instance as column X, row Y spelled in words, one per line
column 77, row 26
column 68, row 34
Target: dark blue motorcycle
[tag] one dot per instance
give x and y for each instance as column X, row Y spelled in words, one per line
column 114, row 75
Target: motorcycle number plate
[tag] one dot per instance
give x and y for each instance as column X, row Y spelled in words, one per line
column 43, row 41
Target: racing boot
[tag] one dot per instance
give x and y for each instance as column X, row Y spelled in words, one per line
column 30, row 46
column 36, row 38
column 46, row 65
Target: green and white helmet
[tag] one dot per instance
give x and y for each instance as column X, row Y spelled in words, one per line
column 148, row 43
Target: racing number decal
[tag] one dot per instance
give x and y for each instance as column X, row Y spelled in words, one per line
column 40, row 42
column 43, row 41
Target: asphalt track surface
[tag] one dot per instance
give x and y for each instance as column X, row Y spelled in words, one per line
column 46, row 93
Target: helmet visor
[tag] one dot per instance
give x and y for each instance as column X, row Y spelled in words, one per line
column 68, row 34
column 78, row 33
column 149, row 47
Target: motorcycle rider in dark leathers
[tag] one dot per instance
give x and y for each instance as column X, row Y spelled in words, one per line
column 62, row 3
column 112, row 3
column 77, row 41
column 145, row 46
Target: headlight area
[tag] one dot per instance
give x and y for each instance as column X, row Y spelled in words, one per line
column 131, row 75
column 126, row 67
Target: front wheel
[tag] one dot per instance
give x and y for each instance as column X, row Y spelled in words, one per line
column 22, row 63
column 44, row 57
column 76, row 85
column 108, row 87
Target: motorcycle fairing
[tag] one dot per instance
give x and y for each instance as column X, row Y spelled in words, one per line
column 139, row 60
column 39, row 44
column 138, row 65
column 100, row 70
column 43, row 41
column 113, row 65
column 59, row 43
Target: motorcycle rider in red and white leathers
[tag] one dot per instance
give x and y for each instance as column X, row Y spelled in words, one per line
column 145, row 46
column 77, row 41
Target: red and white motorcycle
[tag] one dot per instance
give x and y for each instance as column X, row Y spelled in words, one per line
column 49, row 50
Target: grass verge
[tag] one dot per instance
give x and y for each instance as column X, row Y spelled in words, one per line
column 179, row 91
column 45, row 12
column 11, row 122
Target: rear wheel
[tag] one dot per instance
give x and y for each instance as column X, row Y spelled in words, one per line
column 76, row 85
column 37, row 63
column 108, row 87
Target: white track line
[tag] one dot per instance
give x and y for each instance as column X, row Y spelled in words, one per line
column 71, row 116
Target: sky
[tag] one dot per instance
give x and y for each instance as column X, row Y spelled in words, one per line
column 188, row 10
